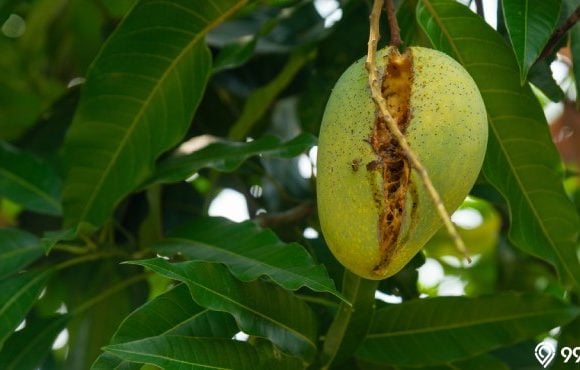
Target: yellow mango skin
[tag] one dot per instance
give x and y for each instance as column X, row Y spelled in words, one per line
column 448, row 133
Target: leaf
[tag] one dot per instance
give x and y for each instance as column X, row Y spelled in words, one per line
column 260, row 100
column 181, row 352
column 138, row 101
column 259, row 308
column 28, row 181
column 27, row 348
column 171, row 313
column 540, row 75
column 227, row 156
column 18, row 248
column 530, row 24
column 521, row 161
column 249, row 252
column 443, row 329
column 17, row 295
column 235, row 53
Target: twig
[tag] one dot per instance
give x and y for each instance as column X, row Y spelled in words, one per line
column 559, row 33
column 287, row 217
column 379, row 100
column 479, row 8
column 393, row 25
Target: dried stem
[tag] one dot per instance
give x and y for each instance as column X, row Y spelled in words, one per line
column 479, row 8
column 560, row 32
column 379, row 100
column 393, row 25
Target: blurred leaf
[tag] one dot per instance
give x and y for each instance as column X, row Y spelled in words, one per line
column 27, row 348
column 521, row 161
column 530, row 24
column 260, row 100
column 234, row 54
column 249, row 252
column 17, row 295
column 181, row 352
column 172, row 313
column 17, row 249
column 260, row 308
column 135, row 105
column 227, row 156
column 481, row 239
column 29, row 181
column 540, row 75
column 443, row 329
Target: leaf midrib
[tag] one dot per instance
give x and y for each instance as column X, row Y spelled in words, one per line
column 228, row 299
column 252, row 260
column 530, row 204
column 465, row 324
column 30, row 187
column 146, row 102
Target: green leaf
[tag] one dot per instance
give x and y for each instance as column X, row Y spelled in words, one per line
column 171, row 313
column 235, row 54
column 249, row 252
column 443, row 329
column 521, row 161
column 227, row 156
column 181, row 352
column 530, row 24
column 540, row 75
column 17, row 295
column 28, row 181
column 259, row 308
column 27, row 348
column 138, row 101
column 17, row 249
column 260, row 100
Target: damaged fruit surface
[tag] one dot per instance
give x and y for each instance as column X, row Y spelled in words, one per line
column 374, row 211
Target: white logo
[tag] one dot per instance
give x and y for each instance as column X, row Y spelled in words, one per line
column 545, row 353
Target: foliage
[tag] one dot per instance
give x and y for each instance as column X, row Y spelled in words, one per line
column 121, row 123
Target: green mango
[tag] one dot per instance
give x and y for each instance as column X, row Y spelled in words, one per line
column 374, row 210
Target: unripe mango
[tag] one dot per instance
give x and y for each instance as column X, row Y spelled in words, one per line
column 374, row 210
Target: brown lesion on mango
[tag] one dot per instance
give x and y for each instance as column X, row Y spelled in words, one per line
column 391, row 160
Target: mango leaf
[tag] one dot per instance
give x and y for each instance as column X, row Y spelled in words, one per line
column 259, row 308
column 138, row 101
column 27, row 348
column 260, row 100
column 17, row 295
column 227, row 156
column 181, row 352
column 28, row 181
column 530, row 24
column 249, row 252
column 235, row 53
column 443, row 329
column 521, row 161
column 171, row 313
column 540, row 75
column 17, row 249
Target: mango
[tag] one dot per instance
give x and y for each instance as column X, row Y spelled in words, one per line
column 375, row 213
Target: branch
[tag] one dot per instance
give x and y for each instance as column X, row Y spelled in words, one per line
column 560, row 32
column 290, row 216
column 479, row 8
column 393, row 25
column 379, row 100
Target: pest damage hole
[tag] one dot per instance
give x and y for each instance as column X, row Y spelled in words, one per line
column 391, row 161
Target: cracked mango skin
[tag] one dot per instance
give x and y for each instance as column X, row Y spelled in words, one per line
column 446, row 127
